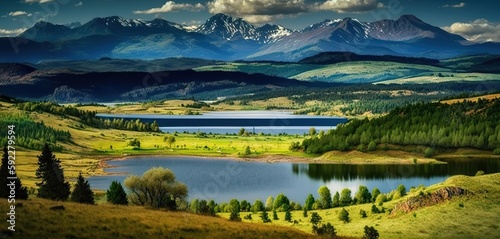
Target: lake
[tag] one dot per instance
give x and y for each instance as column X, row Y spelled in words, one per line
column 222, row 122
column 222, row 180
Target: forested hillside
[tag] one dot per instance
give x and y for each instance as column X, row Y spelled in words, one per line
column 461, row 125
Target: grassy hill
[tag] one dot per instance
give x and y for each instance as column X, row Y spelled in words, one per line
column 34, row 219
column 474, row 215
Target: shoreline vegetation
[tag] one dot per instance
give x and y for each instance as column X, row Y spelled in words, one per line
column 90, row 147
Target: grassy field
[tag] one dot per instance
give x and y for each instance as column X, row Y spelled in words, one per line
column 35, row 220
column 473, row 99
column 447, row 77
column 472, row 216
column 365, row 72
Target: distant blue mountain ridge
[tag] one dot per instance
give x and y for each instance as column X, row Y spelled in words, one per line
column 223, row 37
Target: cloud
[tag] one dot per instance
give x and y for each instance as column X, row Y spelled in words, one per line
column 15, row 32
column 19, row 13
column 480, row 30
column 258, row 11
column 79, row 4
column 171, row 6
column 458, row 5
column 343, row 6
column 37, row 1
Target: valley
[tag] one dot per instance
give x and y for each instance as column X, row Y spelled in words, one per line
column 263, row 123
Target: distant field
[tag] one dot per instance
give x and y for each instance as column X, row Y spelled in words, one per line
column 473, row 99
column 447, row 77
column 281, row 70
column 365, row 72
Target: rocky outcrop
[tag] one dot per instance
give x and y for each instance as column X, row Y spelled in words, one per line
column 429, row 199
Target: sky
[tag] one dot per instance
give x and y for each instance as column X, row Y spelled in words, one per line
column 476, row 20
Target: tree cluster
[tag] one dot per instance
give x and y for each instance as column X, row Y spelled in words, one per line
column 460, row 125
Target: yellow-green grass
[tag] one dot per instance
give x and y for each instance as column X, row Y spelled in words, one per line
column 473, row 216
column 349, row 71
column 458, row 77
column 35, row 220
column 472, row 99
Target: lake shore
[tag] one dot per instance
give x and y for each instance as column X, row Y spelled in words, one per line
column 392, row 157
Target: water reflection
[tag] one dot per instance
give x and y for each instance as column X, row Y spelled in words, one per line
column 346, row 172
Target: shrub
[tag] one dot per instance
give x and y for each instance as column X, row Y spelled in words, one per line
column 479, row 173
column 275, row 215
column 370, row 233
column 496, row 151
column 157, row 188
column 265, row 216
column 248, row 217
column 429, row 152
column 344, row 216
column 362, row 213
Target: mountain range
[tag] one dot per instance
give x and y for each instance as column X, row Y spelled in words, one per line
column 223, row 37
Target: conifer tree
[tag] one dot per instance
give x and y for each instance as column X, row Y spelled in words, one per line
column 20, row 191
column 50, row 172
column 82, row 192
column 116, row 194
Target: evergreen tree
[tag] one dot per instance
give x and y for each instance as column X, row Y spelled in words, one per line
column 50, row 172
column 275, row 215
column 336, row 200
column 309, row 202
column 265, row 216
column 116, row 194
column 344, row 216
column 288, row 215
column 20, row 191
column 370, row 233
column 82, row 192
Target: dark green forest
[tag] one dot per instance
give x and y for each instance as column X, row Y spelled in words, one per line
column 30, row 134
column 435, row 125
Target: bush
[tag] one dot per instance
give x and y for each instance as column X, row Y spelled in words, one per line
column 429, row 152
column 157, row 188
column 479, row 173
column 362, row 213
column 370, row 233
column 248, row 216
column 344, row 216
column 496, row 151
column 275, row 215
column 265, row 216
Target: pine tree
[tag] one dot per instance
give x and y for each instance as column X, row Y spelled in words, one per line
column 20, row 191
column 116, row 194
column 50, row 172
column 265, row 216
column 275, row 215
column 82, row 192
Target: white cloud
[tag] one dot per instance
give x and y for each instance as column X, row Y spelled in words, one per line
column 258, row 11
column 343, row 6
column 79, row 4
column 458, row 5
column 37, row 1
column 15, row 32
column 171, row 6
column 19, row 13
column 480, row 30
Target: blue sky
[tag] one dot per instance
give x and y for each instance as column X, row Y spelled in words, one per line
column 476, row 20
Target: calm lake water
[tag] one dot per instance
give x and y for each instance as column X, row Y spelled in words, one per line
column 223, row 180
column 221, row 122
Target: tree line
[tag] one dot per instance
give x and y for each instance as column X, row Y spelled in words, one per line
column 31, row 134
column 89, row 117
column 461, row 125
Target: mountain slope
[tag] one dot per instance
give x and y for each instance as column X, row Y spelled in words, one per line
column 223, row 37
